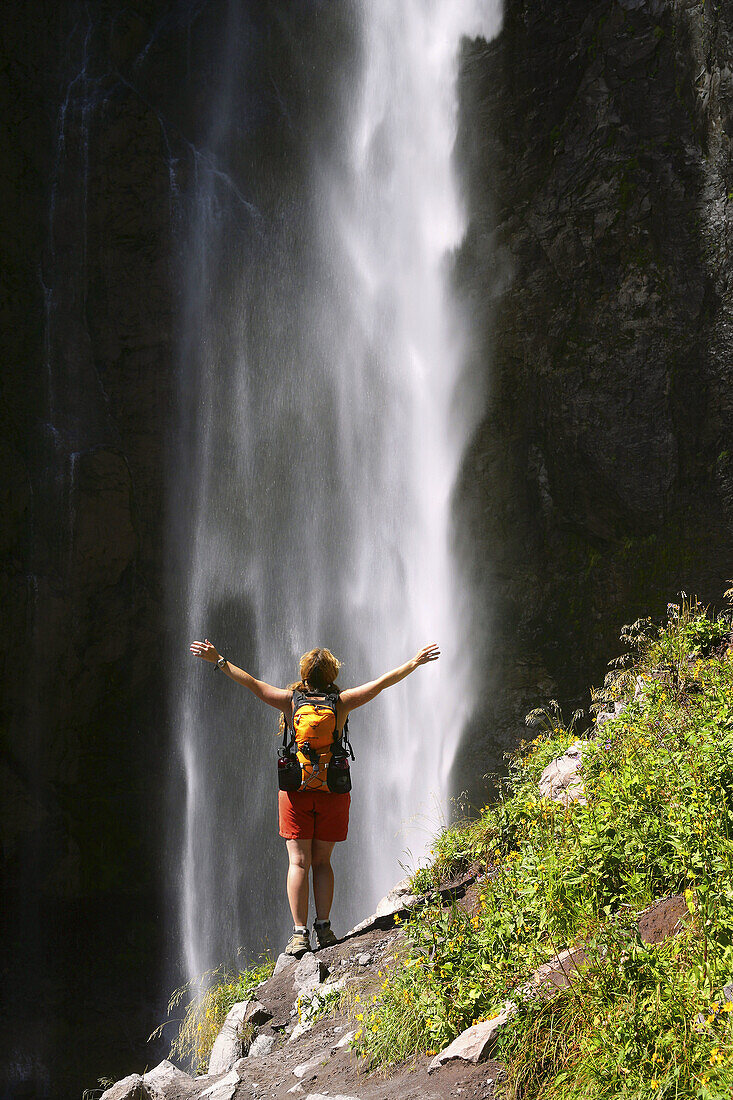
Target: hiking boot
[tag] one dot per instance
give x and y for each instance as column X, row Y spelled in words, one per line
column 298, row 944
column 324, row 934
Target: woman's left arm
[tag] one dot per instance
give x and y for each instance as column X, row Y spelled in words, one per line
column 275, row 697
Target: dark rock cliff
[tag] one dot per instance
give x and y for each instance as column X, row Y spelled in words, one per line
column 86, row 382
column 600, row 483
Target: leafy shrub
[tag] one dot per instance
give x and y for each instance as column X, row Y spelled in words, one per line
column 658, row 780
column 210, row 998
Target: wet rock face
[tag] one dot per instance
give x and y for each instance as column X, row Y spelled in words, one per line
column 600, row 480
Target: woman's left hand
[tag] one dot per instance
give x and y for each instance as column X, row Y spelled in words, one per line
column 206, row 650
column 427, row 653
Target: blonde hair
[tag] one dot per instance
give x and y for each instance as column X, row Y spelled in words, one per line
column 318, row 669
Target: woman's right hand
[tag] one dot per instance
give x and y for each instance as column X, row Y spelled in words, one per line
column 206, row 650
column 427, row 653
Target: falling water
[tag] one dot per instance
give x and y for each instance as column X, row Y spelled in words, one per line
column 320, row 444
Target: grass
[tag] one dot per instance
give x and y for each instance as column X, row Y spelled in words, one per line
column 210, row 998
column 639, row 1020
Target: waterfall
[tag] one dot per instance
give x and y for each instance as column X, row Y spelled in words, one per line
column 320, row 438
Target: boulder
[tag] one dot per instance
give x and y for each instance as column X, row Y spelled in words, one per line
column 308, row 974
column 561, row 781
column 473, row 1044
column 227, row 1047
column 166, row 1080
column 129, row 1088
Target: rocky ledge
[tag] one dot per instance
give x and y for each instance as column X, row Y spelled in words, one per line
column 276, row 1045
column 271, row 1047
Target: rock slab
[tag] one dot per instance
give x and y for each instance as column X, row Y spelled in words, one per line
column 284, row 962
column 557, row 972
column 399, row 897
column 473, row 1044
column 308, row 974
column 227, row 1047
column 223, row 1089
column 129, row 1088
column 164, row 1080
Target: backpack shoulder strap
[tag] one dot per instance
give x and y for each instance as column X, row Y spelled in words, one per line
column 288, row 730
column 343, row 737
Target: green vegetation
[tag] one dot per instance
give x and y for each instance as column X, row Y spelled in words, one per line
column 209, row 999
column 638, row 1020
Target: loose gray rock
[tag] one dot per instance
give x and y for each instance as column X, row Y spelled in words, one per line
column 261, row 1046
column 301, row 1028
column 227, row 1047
column 609, row 714
column 327, row 1096
column 364, row 960
column 473, row 1044
column 308, row 1069
column 561, row 781
column 223, row 1089
column 166, row 1080
column 343, row 1041
column 399, row 897
column 129, row 1088
column 309, row 973
column 284, row 962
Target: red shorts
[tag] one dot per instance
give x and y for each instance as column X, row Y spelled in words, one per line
column 313, row 815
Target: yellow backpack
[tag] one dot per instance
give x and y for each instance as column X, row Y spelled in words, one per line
column 314, row 756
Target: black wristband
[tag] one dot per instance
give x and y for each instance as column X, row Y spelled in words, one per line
column 220, row 663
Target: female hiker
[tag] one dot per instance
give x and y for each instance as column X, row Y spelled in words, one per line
column 313, row 818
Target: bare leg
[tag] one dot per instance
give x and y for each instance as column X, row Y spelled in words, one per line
column 322, row 877
column 299, row 857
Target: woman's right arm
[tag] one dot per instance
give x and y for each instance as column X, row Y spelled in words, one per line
column 358, row 696
column 279, row 698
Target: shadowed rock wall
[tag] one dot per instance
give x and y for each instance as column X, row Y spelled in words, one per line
column 86, row 385
column 601, row 197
